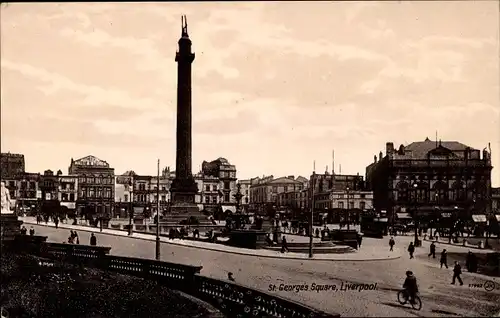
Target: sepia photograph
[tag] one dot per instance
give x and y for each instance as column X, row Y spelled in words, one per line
column 250, row 159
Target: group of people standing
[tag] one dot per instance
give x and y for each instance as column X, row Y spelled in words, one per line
column 471, row 260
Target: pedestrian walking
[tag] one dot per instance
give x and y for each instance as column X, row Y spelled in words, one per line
column 444, row 259
column 93, row 240
column 471, row 262
column 457, row 271
column 432, row 250
column 411, row 249
column 56, row 221
column 24, row 230
column 359, row 239
column 76, row 237
column 392, row 243
column 284, row 245
column 32, row 231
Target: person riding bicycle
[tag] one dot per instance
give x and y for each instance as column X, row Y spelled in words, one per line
column 410, row 286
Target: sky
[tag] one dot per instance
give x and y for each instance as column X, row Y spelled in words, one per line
column 276, row 86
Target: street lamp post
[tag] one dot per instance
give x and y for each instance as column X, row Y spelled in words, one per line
column 158, row 213
column 311, row 217
column 102, row 209
column 415, row 217
column 347, row 210
column 130, row 210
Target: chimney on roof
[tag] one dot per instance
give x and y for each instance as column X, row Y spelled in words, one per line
column 380, row 156
column 375, row 159
column 292, row 177
column 389, row 148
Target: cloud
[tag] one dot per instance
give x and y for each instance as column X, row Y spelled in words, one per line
column 93, row 96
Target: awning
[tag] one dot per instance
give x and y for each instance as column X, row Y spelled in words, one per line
column 498, row 217
column 69, row 205
column 231, row 208
column 479, row 218
column 403, row 215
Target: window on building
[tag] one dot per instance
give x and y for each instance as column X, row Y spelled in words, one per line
column 98, row 180
column 362, row 205
column 12, row 184
column 83, row 193
column 90, row 180
column 81, row 179
column 246, row 200
column 23, row 184
column 226, row 185
column 207, row 187
column 72, row 186
column 99, row 192
column 163, row 188
column 207, row 199
column 72, row 197
column 125, row 197
column 64, row 197
column 108, row 192
column 351, row 205
column 362, row 195
column 441, row 191
column 402, row 189
column 163, row 198
column 214, row 199
column 91, row 193
column 226, row 197
column 155, row 199
column 340, row 205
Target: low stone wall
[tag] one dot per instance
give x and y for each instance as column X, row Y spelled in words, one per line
column 231, row 298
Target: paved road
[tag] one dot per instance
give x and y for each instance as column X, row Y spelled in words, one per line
column 438, row 296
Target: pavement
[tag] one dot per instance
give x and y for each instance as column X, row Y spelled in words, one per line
column 439, row 297
column 363, row 254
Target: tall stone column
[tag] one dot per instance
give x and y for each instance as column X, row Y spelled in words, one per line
column 184, row 187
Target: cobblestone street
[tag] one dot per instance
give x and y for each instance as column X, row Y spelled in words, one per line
column 439, row 297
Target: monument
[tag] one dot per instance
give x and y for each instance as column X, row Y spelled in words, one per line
column 9, row 223
column 184, row 188
column 5, row 199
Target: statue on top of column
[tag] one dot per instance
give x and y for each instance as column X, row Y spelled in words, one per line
column 4, row 199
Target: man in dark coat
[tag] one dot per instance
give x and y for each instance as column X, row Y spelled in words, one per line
column 471, row 262
column 411, row 286
column 432, row 250
column 392, row 243
column 411, row 249
column 359, row 238
column 457, row 271
column 444, row 259
column 284, row 245
column 93, row 240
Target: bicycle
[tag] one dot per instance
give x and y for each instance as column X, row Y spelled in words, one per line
column 403, row 298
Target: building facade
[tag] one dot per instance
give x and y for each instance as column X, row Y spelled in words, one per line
column 245, row 192
column 495, row 202
column 28, row 192
column 96, row 186
column 267, row 192
column 68, row 193
column 226, row 173
column 11, row 165
column 49, row 188
column 432, row 181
